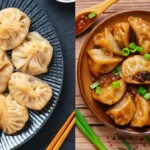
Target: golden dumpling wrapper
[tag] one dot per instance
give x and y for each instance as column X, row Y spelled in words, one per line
column 110, row 95
column 14, row 26
column 123, row 111
column 33, row 55
column 29, row 91
column 142, row 114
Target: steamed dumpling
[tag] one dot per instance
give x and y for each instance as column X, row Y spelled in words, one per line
column 6, row 69
column 136, row 69
column 123, row 111
column 14, row 26
column 29, row 91
column 33, row 55
column 100, row 63
column 111, row 95
column 14, row 116
column 142, row 115
column 141, row 29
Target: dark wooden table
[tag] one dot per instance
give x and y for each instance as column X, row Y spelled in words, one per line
column 62, row 18
column 109, row 137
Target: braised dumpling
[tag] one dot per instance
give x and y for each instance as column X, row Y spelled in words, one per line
column 33, row 55
column 14, row 26
column 114, row 38
column 106, row 40
column 6, row 69
column 14, row 116
column 136, row 69
column 111, row 95
column 141, row 29
column 123, row 111
column 142, row 115
column 29, row 91
column 101, row 63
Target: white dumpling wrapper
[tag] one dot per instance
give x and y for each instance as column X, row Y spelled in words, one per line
column 29, row 91
column 14, row 26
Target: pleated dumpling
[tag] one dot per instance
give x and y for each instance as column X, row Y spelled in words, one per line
column 29, row 91
column 114, row 38
column 123, row 111
column 6, row 69
column 33, row 55
column 14, row 116
column 110, row 95
column 141, row 29
column 14, row 26
column 142, row 115
column 136, row 70
column 102, row 63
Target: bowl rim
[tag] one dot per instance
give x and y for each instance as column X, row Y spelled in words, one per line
column 79, row 73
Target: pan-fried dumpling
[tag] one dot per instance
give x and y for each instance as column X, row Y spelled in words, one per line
column 141, row 29
column 14, row 116
column 29, row 91
column 6, row 69
column 14, row 26
column 114, row 38
column 142, row 115
column 136, row 69
column 106, row 40
column 111, row 95
column 100, row 63
column 123, row 111
column 33, row 55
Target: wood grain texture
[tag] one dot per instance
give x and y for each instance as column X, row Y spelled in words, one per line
column 109, row 137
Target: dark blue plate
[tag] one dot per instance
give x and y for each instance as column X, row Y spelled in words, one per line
column 54, row 77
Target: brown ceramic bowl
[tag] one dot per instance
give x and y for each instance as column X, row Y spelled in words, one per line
column 84, row 76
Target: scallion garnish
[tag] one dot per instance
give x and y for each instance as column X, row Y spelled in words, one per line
column 98, row 90
column 116, row 70
column 132, row 46
column 127, row 144
column 147, row 56
column 139, row 49
column 115, row 84
column 91, row 15
column 94, row 85
column 88, row 131
column 132, row 50
column 147, row 139
column 125, row 51
column 147, row 96
column 141, row 90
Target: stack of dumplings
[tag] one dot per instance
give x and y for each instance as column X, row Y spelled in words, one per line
column 31, row 55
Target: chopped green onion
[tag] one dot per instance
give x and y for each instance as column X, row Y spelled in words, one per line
column 86, row 126
column 147, row 139
column 147, row 56
column 127, row 144
column 132, row 50
column 147, row 96
column 141, row 90
column 94, row 85
column 91, row 15
column 115, row 84
column 116, row 70
column 98, row 90
column 139, row 49
column 125, row 51
column 132, row 46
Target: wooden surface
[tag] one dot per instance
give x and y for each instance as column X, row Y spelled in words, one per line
column 110, row 138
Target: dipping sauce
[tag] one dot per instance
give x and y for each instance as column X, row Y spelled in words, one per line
column 84, row 20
